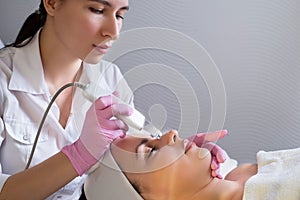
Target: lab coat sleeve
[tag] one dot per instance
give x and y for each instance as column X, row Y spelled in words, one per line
column 108, row 76
column 123, row 88
column 116, row 82
column 3, row 177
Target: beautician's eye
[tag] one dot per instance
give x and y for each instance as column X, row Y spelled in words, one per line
column 119, row 17
column 96, row 11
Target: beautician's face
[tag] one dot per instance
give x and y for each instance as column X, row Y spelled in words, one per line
column 87, row 28
column 169, row 166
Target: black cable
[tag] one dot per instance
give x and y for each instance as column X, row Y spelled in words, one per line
column 45, row 115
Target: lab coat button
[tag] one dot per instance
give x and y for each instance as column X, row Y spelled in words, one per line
column 25, row 137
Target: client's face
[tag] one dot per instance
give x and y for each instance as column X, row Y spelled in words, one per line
column 165, row 167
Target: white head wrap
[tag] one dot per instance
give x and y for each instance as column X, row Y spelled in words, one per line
column 1, row 44
column 108, row 182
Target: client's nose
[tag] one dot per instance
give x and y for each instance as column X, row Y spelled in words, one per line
column 170, row 138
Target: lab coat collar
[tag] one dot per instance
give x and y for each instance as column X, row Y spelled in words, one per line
column 28, row 74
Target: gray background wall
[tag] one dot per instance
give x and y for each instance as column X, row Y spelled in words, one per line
column 254, row 45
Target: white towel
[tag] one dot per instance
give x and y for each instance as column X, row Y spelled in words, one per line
column 278, row 176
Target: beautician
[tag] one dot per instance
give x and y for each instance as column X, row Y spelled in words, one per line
column 62, row 42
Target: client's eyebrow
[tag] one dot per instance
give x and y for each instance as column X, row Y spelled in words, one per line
column 104, row 2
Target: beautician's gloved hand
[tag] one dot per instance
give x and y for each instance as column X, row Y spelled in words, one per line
column 98, row 131
column 206, row 140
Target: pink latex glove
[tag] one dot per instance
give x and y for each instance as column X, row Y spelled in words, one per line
column 98, row 131
column 206, row 140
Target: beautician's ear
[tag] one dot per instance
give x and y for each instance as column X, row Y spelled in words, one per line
column 50, row 6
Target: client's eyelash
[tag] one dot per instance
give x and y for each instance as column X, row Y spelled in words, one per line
column 153, row 149
column 119, row 17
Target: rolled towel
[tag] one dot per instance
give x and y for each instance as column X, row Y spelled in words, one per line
column 278, row 176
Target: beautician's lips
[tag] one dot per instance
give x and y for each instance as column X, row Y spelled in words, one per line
column 102, row 48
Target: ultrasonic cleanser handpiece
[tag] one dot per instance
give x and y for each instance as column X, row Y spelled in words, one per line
column 136, row 120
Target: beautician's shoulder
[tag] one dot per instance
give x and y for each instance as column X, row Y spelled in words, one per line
column 6, row 61
column 6, row 57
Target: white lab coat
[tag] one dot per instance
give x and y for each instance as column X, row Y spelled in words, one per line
column 24, row 96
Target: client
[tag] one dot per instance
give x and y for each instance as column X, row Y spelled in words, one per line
column 171, row 168
column 165, row 168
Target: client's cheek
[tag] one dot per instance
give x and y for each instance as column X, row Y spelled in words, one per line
column 204, row 154
column 164, row 158
column 204, row 160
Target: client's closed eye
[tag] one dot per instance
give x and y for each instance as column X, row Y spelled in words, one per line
column 152, row 151
column 146, row 151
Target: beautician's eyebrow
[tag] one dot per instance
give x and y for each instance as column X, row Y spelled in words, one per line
column 109, row 4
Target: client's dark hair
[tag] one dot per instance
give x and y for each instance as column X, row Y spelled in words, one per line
column 134, row 183
column 136, row 187
column 30, row 27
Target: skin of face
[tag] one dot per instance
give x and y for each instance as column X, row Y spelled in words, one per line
column 176, row 169
column 87, row 28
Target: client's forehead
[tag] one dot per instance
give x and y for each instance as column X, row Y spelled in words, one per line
column 129, row 143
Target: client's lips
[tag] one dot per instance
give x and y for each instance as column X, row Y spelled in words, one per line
column 188, row 145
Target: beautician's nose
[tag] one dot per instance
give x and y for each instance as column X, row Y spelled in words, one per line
column 111, row 27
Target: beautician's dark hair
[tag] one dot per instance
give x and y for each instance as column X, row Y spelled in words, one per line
column 30, row 27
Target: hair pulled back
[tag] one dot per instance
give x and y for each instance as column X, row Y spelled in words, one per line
column 30, row 27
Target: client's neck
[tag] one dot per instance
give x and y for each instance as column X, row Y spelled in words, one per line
column 230, row 188
column 219, row 189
